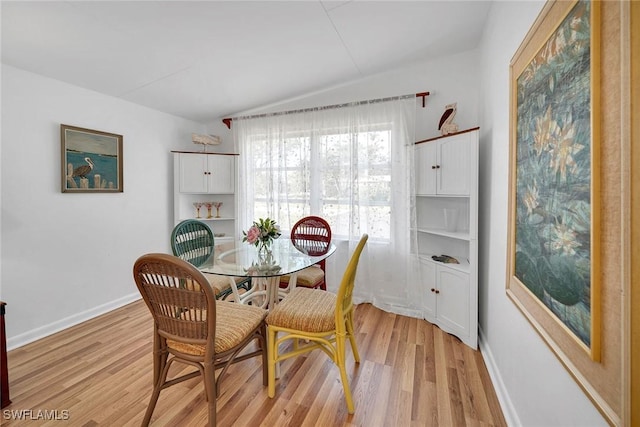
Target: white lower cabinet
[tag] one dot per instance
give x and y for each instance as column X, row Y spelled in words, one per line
column 447, row 299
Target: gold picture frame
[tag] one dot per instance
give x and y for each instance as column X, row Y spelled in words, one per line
column 602, row 367
column 91, row 161
column 553, row 209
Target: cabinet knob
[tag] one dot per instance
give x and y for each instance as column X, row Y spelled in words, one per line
column 433, row 290
column 437, row 166
column 437, row 291
column 433, row 167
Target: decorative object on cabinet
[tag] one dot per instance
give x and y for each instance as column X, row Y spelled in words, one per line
column 205, row 140
column 217, row 205
column 447, row 216
column 91, row 161
column 445, row 259
column 197, row 205
column 206, row 178
column 209, row 206
column 446, row 125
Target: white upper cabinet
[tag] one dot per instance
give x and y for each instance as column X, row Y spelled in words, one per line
column 206, row 173
column 444, row 166
column 201, row 182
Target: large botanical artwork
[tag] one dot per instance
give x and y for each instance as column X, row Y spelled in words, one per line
column 552, row 224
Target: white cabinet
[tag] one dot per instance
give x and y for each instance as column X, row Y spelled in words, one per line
column 443, row 166
column 446, row 298
column 447, row 219
column 206, row 178
column 206, row 173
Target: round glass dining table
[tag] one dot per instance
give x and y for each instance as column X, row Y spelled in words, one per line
column 265, row 267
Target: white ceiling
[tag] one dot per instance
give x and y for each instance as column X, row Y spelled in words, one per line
column 209, row 59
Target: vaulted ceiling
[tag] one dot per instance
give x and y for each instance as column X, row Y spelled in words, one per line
column 203, row 60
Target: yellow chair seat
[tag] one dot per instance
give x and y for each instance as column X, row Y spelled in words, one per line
column 233, row 323
column 309, row 277
column 309, row 310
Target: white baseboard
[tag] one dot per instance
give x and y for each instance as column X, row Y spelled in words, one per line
column 509, row 412
column 44, row 331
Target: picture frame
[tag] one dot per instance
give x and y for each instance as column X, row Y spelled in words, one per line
column 600, row 367
column 91, row 161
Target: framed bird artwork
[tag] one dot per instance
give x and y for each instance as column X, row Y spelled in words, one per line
column 91, row 161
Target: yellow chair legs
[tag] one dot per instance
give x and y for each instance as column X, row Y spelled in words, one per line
column 337, row 353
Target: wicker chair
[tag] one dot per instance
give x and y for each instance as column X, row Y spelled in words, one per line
column 323, row 319
column 311, row 234
column 191, row 327
column 192, row 241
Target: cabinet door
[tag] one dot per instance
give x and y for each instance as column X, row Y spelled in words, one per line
column 221, row 173
column 428, row 277
column 453, row 301
column 426, row 172
column 453, row 162
column 193, row 177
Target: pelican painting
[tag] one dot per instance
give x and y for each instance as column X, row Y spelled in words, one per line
column 91, row 160
column 82, row 171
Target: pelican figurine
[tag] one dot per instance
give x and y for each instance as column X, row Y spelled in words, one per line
column 446, row 125
column 82, row 171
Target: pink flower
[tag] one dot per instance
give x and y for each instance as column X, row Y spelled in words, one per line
column 253, row 234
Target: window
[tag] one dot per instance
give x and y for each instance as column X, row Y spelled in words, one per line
column 347, row 168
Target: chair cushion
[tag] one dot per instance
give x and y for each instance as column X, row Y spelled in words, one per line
column 217, row 282
column 308, row 310
column 234, row 322
column 309, row 277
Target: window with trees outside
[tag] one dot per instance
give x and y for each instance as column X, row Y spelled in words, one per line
column 324, row 175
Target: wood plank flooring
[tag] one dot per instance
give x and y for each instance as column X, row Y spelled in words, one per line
column 99, row 374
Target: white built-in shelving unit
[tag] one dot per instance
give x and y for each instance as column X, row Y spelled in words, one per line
column 447, row 224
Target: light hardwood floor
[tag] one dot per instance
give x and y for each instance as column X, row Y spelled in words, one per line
column 99, row 373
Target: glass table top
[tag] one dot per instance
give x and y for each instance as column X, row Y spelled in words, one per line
column 242, row 259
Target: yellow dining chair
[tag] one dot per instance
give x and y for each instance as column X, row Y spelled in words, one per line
column 316, row 319
column 191, row 327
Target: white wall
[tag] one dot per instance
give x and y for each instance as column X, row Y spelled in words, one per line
column 536, row 389
column 68, row 257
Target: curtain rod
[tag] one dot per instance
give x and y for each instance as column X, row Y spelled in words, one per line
column 423, row 95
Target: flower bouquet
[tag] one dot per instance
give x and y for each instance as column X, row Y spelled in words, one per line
column 262, row 233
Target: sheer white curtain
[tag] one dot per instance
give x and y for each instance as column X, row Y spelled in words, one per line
column 351, row 165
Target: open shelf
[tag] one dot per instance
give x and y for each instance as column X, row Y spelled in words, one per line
column 460, row 235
